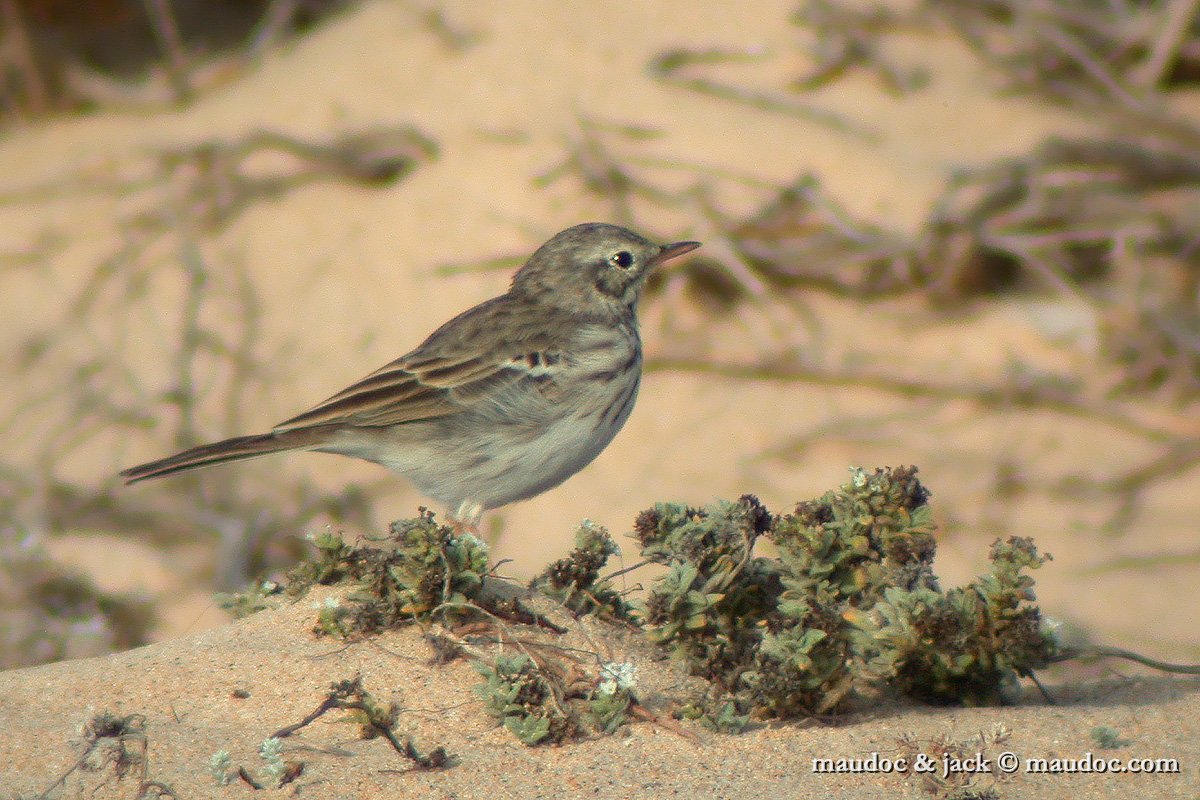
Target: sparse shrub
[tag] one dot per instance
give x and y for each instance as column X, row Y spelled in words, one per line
column 612, row 697
column 849, row 606
column 429, row 569
column 518, row 694
column 575, row 581
column 968, row 645
column 716, row 595
column 850, row 603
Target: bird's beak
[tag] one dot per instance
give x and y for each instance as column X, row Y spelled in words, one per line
column 670, row 251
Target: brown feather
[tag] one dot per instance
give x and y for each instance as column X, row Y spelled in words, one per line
column 438, row 378
column 235, row 449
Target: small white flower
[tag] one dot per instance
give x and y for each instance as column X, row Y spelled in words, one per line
column 616, row 675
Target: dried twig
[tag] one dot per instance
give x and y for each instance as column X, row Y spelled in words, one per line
column 849, row 37
column 170, row 44
column 671, row 67
column 1031, row 396
column 90, row 390
column 378, row 720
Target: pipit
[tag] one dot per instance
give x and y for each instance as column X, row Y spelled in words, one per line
column 503, row 402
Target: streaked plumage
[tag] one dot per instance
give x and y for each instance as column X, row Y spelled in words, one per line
column 501, row 403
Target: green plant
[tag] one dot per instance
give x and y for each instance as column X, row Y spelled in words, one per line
column 428, row 570
column 220, row 766
column 254, row 599
column 375, row 719
column 849, row 607
column 575, row 580
column 968, row 645
column 1109, row 738
column 270, row 750
column 725, row 718
column 522, row 697
column 851, row 602
column 710, row 605
column 609, row 704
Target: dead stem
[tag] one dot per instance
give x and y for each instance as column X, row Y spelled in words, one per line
column 669, row 66
column 1004, row 396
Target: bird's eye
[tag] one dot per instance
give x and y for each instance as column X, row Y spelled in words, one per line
column 623, row 259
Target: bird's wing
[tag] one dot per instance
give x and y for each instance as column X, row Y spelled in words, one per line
column 473, row 355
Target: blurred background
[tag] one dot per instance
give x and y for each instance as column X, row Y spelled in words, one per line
column 960, row 235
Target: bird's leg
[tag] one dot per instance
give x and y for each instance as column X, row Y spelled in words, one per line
column 465, row 518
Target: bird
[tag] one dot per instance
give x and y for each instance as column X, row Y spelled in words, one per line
column 503, row 402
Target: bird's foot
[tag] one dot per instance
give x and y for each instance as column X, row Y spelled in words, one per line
column 465, row 518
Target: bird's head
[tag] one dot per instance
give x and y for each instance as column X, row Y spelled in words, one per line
column 594, row 264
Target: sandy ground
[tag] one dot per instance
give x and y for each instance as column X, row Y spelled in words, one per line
column 353, row 281
column 185, row 690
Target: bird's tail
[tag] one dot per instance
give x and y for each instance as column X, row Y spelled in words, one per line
column 235, row 449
